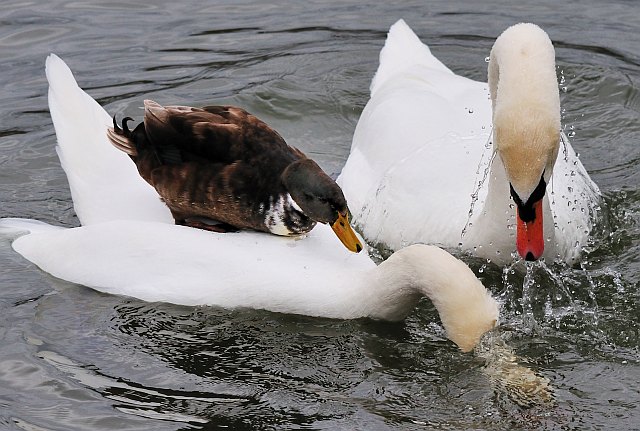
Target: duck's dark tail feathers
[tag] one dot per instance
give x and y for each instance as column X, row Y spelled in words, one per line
column 122, row 138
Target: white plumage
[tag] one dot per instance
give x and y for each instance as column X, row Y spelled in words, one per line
column 130, row 246
column 423, row 168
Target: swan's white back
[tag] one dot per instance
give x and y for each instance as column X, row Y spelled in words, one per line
column 103, row 184
column 311, row 276
column 161, row 262
column 412, row 148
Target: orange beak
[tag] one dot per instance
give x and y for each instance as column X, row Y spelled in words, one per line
column 347, row 236
column 530, row 235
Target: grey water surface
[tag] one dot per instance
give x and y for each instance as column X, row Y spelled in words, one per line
column 75, row 359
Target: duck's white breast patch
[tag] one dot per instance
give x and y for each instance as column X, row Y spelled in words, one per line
column 275, row 215
column 293, row 203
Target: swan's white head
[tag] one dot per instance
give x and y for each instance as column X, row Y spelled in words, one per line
column 467, row 310
column 526, row 123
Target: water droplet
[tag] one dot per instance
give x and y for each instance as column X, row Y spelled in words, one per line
column 470, row 111
column 487, row 59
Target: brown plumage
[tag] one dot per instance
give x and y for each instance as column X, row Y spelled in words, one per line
column 224, row 164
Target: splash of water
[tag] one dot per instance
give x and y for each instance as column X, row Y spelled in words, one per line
column 509, row 376
column 485, row 174
column 528, row 318
column 591, row 287
column 575, row 307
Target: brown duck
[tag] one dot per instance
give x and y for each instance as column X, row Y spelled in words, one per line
column 223, row 164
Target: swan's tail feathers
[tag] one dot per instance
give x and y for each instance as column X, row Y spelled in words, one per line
column 121, row 137
column 402, row 50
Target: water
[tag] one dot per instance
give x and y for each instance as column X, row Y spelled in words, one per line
column 72, row 358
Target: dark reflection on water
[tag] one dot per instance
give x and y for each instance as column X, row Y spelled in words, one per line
column 71, row 358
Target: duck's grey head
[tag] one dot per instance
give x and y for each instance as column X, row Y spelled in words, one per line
column 320, row 199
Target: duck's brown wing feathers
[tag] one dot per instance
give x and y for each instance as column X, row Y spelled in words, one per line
column 222, row 192
column 220, row 134
column 218, row 162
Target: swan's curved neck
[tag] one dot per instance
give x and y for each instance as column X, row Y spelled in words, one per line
column 522, row 66
column 465, row 307
column 526, row 105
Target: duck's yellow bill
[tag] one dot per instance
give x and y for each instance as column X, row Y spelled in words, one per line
column 345, row 233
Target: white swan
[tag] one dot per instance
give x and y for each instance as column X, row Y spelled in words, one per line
column 129, row 245
column 423, row 148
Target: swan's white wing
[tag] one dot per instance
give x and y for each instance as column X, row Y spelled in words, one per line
column 104, row 182
column 401, row 51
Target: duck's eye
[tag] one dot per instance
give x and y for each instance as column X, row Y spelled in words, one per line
column 320, row 199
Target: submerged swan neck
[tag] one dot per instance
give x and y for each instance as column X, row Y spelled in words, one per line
column 526, row 105
column 465, row 307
